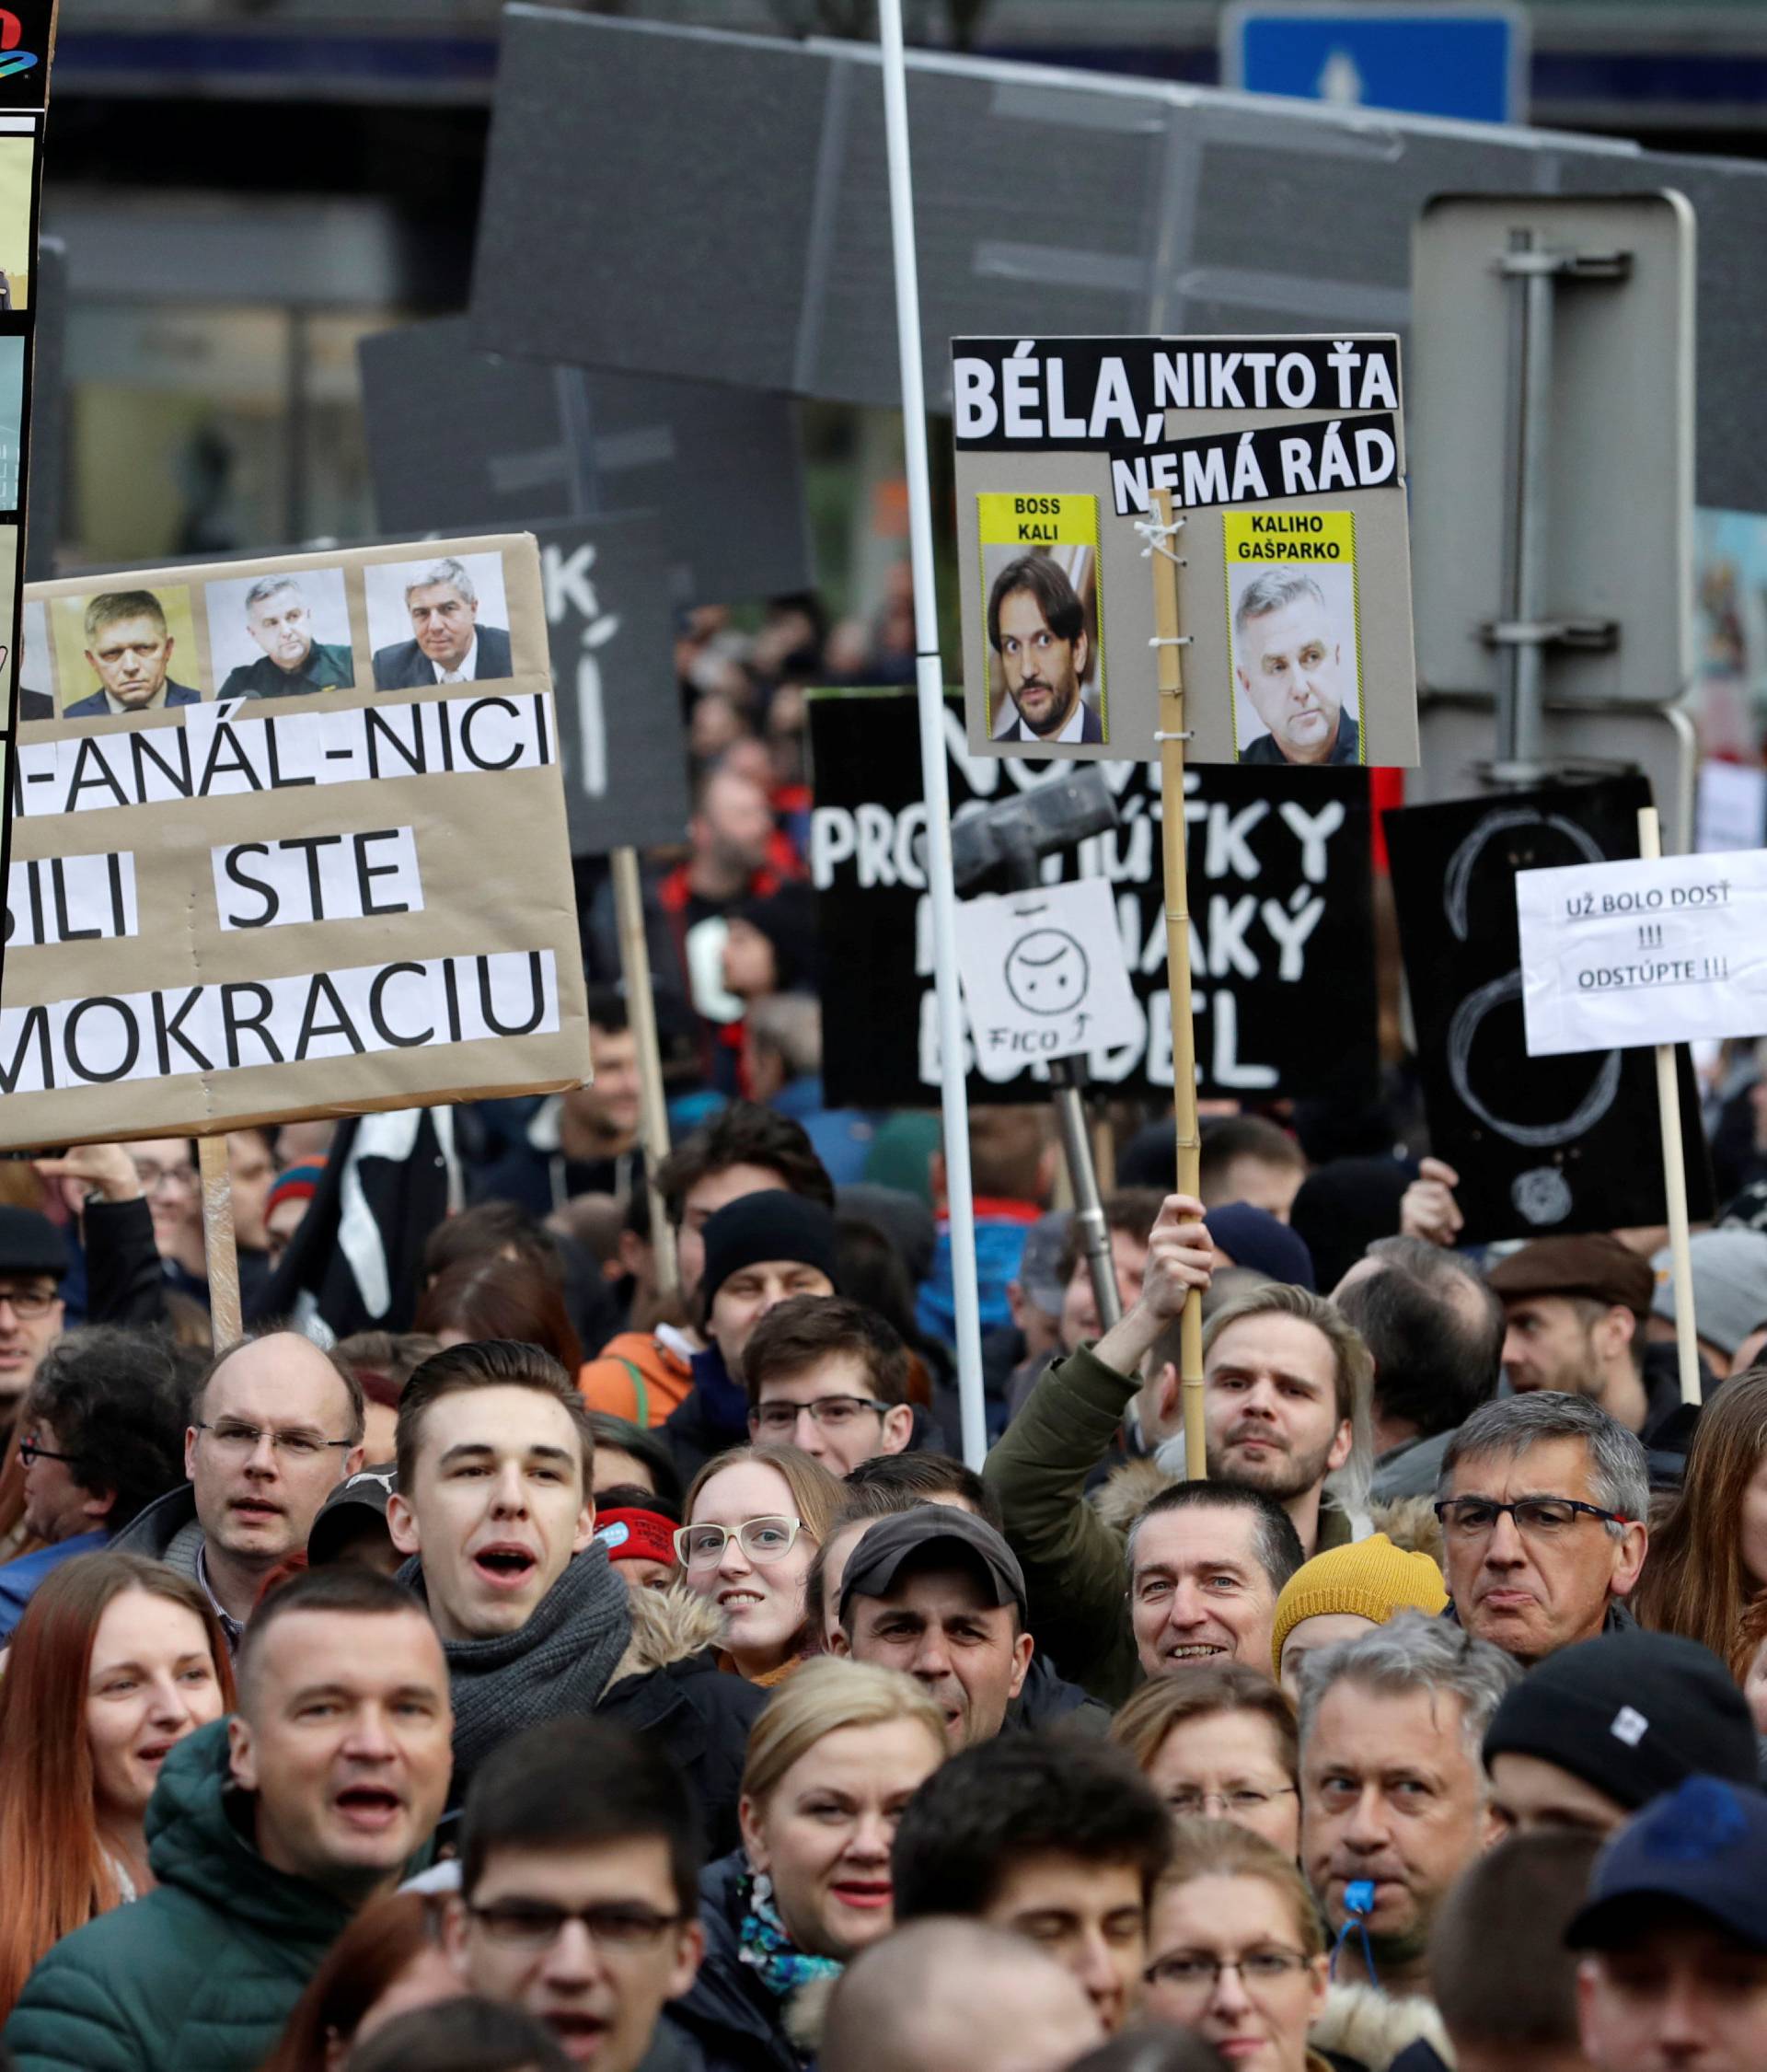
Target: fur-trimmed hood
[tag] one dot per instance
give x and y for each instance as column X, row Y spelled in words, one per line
column 1373, row 2026
column 668, row 1626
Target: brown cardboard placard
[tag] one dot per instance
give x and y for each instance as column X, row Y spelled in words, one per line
column 308, row 901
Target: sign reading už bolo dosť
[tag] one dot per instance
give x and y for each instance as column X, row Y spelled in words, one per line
column 294, row 845
column 1283, row 459
column 1665, row 951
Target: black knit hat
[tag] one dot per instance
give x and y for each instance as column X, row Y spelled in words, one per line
column 770, row 1225
column 1631, row 1713
column 31, row 1244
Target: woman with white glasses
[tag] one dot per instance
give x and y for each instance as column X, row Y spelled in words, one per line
column 755, row 1519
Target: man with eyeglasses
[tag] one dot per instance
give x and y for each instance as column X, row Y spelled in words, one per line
column 1544, row 1500
column 579, row 1899
column 33, row 1263
column 760, row 1250
column 275, row 1425
column 831, row 1377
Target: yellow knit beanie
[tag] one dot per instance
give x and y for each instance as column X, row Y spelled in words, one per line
column 1372, row 1577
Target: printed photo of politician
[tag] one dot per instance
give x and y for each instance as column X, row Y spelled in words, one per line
column 35, row 700
column 1296, row 679
column 438, row 622
column 1043, row 682
column 117, row 651
column 281, row 635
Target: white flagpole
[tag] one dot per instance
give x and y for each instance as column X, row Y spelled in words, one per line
column 930, row 681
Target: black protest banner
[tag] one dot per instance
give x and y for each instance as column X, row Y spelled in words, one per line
column 1282, row 950
column 607, row 623
column 1542, row 1144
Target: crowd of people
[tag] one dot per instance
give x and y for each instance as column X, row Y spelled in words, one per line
column 584, row 1647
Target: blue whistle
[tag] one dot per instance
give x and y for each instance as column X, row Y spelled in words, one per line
column 1358, row 1897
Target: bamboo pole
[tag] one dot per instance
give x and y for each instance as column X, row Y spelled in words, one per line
column 1169, row 650
column 641, row 1015
column 220, row 1246
column 1669, row 1109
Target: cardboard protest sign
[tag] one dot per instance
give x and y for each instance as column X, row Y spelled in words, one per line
column 1044, row 972
column 344, row 885
column 1282, row 939
column 607, row 620
column 1284, row 460
column 1542, row 1144
column 1673, row 950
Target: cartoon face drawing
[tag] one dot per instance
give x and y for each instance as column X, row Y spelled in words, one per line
column 1047, row 971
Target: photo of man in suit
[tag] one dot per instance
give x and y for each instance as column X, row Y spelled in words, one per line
column 1289, row 655
column 450, row 646
column 293, row 664
column 1036, row 625
column 130, row 651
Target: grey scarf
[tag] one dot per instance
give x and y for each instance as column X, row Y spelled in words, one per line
column 558, row 1663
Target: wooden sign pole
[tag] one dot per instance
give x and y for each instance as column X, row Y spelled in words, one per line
column 1169, row 646
column 640, row 1016
column 220, row 1247
column 1669, row 1108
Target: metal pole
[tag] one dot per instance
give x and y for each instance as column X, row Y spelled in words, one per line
column 930, row 683
column 1531, row 394
column 1089, row 1211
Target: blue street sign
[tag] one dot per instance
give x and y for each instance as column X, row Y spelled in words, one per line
column 1470, row 62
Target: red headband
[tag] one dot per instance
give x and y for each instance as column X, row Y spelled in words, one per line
column 640, row 1535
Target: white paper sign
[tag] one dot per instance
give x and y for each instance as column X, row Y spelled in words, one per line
column 1045, row 975
column 1619, row 954
column 1731, row 809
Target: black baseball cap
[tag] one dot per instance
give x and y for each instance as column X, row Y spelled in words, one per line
column 924, row 1538
column 348, row 1508
column 1702, row 1847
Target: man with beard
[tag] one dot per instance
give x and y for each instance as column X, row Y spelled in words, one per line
column 1394, row 1802
column 1288, row 1383
column 1036, row 625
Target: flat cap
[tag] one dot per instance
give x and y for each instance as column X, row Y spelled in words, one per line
column 1596, row 1265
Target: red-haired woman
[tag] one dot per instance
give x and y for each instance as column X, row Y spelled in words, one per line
column 115, row 1660
column 389, row 1960
column 499, row 1298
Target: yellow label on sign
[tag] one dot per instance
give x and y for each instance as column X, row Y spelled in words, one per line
column 1290, row 536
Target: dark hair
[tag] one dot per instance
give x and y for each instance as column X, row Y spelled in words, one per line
column 1275, row 1542
column 486, row 1363
column 888, row 1483
column 607, row 1010
column 344, row 1588
column 1047, row 582
column 257, row 1336
column 378, row 1946
column 116, row 1401
column 869, row 1270
column 1245, row 1136
column 1498, row 1968
column 1132, row 1210
column 490, row 1230
column 467, row 2034
column 621, row 1436
column 501, row 1298
column 633, row 1496
column 744, row 1134
column 581, row 1783
column 1018, row 1796
column 383, row 1361
column 1434, row 1364
column 805, row 1330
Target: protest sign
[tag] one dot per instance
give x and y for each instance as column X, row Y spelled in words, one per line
column 1044, row 972
column 1669, row 951
column 1283, row 459
column 605, row 585
column 1281, row 939
column 346, row 888
column 1542, row 1144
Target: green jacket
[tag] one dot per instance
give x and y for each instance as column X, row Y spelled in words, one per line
column 1072, row 1553
column 199, row 1975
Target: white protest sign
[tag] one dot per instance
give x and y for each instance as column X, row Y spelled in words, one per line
column 1045, row 975
column 1620, row 954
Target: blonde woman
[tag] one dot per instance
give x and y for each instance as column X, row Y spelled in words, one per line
column 832, row 1762
column 755, row 1519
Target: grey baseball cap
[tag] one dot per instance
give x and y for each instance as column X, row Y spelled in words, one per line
column 928, row 1537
